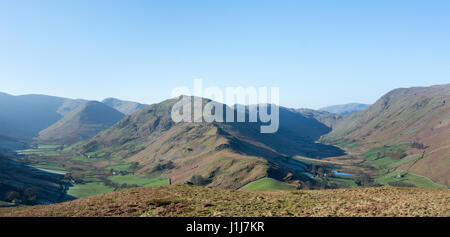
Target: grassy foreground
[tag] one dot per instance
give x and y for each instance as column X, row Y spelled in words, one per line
column 267, row 184
column 184, row 200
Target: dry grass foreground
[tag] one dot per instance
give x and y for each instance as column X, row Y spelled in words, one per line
column 184, row 200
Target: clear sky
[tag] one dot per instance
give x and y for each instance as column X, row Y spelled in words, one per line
column 318, row 52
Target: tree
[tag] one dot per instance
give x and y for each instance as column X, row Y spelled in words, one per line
column 30, row 195
column 12, row 196
column 364, row 180
column 321, row 172
column 199, row 180
column 313, row 169
column 134, row 166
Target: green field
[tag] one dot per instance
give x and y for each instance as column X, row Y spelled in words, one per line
column 266, row 184
column 42, row 150
column 385, row 150
column 346, row 181
column 410, row 178
column 49, row 167
column 89, row 189
column 386, row 165
column 121, row 167
column 139, row 181
column 6, row 204
column 82, row 158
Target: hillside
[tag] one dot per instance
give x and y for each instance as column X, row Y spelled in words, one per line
column 123, row 106
column 214, row 154
column 417, row 117
column 191, row 201
column 25, row 115
column 82, row 123
column 9, row 144
column 17, row 177
column 327, row 118
column 345, row 108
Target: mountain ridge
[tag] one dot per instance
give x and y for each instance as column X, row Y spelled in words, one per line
column 345, row 108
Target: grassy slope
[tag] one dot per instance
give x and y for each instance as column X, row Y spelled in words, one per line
column 389, row 169
column 182, row 200
column 50, row 167
column 266, row 184
column 143, row 182
column 88, row 189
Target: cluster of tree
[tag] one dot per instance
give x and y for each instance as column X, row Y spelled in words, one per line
column 365, row 180
column 199, row 180
column 165, row 165
column 319, row 171
column 394, row 155
column 401, row 184
column 397, row 155
column 418, row 145
column 116, row 186
column 68, row 178
column 134, row 166
column 22, row 195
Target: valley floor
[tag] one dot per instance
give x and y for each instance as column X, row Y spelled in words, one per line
column 194, row 201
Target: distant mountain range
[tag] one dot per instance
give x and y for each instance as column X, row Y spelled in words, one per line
column 25, row 116
column 345, row 108
column 43, row 116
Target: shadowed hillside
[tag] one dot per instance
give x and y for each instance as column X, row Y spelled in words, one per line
column 83, row 123
column 44, row 187
column 324, row 117
column 25, row 115
column 418, row 116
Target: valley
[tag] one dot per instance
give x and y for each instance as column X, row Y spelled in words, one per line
column 95, row 149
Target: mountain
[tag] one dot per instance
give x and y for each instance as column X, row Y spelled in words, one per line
column 345, row 108
column 417, row 117
column 82, row 123
column 192, row 201
column 125, row 107
column 25, row 115
column 215, row 154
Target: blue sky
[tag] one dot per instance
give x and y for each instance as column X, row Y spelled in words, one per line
column 318, row 52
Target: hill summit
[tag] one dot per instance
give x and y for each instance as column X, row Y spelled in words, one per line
column 125, row 107
column 83, row 123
